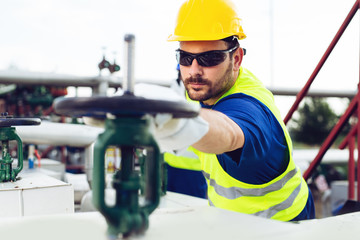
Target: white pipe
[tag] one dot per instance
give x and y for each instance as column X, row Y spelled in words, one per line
column 59, row 134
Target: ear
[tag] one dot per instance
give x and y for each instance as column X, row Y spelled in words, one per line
column 238, row 57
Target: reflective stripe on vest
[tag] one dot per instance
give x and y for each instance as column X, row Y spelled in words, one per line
column 283, row 198
column 236, row 192
column 270, row 212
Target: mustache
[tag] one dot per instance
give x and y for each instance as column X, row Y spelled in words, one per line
column 196, row 80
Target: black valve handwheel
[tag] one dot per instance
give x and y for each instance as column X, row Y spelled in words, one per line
column 125, row 105
column 10, row 121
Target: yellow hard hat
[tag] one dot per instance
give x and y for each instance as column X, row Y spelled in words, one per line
column 203, row 20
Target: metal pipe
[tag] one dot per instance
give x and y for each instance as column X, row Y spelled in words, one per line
column 351, row 169
column 128, row 84
column 55, row 79
column 60, row 80
column 349, row 141
column 314, row 92
column 89, row 163
column 357, row 98
column 348, row 137
column 358, row 135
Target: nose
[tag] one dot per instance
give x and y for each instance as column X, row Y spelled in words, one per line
column 195, row 69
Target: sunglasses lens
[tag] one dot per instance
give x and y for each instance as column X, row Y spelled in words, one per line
column 184, row 59
column 205, row 59
column 211, row 59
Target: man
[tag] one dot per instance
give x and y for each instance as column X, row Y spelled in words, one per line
column 246, row 154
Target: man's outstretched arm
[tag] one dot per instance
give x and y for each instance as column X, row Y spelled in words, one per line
column 224, row 134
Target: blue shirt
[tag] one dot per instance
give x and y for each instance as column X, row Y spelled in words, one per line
column 186, row 181
column 264, row 155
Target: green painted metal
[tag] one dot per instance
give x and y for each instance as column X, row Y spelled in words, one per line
column 127, row 216
column 7, row 172
column 164, row 176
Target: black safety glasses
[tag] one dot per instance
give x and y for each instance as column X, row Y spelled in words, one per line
column 205, row 59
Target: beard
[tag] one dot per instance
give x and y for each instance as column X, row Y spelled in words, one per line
column 209, row 89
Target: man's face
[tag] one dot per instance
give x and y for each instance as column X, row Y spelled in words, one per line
column 207, row 84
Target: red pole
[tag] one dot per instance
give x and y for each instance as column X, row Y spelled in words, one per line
column 348, row 137
column 349, row 141
column 358, row 147
column 358, row 135
column 305, row 89
column 332, row 136
column 351, row 169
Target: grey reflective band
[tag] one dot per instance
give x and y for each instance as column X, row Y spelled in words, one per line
column 236, row 192
column 268, row 213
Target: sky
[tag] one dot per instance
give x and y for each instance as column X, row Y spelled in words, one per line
column 285, row 39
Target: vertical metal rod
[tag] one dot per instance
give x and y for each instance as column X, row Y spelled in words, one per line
column 358, row 129
column 5, row 148
column 127, row 168
column 128, row 80
column 349, row 141
column 351, row 169
column 357, row 97
column 358, row 176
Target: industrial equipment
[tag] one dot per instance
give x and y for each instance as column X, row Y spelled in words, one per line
column 8, row 133
column 127, row 126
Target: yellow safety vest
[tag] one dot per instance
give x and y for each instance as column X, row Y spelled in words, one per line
column 283, row 198
column 187, row 160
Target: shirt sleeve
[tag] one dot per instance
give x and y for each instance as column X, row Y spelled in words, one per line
column 263, row 156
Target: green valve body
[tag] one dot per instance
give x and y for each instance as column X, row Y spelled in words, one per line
column 7, row 172
column 127, row 216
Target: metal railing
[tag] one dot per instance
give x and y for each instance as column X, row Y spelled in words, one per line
column 353, row 108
